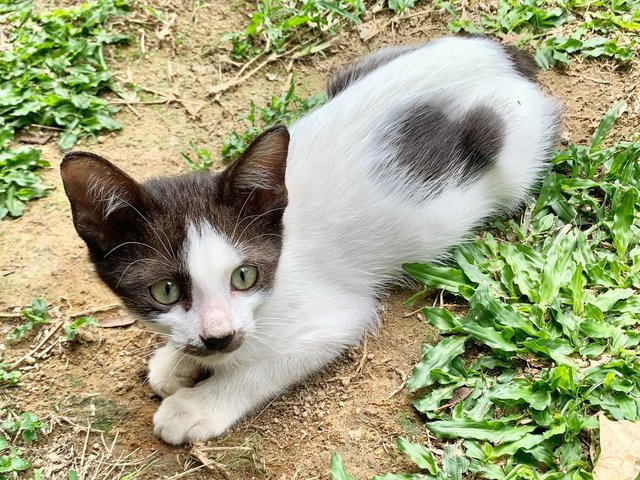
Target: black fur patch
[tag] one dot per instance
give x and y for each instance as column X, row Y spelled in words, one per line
column 350, row 74
column 522, row 61
column 433, row 147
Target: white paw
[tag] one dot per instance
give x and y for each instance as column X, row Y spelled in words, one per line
column 170, row 370
column 181, row 418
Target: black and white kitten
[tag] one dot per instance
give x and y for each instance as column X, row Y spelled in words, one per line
column 265, row 272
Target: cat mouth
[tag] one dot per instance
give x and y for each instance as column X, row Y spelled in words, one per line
column 219, row 346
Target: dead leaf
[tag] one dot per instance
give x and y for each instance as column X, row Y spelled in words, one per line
column 619, row 450
column 119, row 321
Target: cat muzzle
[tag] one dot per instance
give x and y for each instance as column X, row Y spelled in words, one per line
column 213, row 345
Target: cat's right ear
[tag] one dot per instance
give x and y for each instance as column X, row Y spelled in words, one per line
column 255, row 183
column 105, row 201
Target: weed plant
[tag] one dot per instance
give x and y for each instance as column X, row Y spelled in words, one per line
column 551, row 334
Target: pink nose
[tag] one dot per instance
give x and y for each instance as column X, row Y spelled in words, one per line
column 215, row 323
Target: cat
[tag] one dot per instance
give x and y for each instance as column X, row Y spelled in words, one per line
column 270, row 269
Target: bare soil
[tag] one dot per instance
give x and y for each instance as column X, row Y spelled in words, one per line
column 93, row 393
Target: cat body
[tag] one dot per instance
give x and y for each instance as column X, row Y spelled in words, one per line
column 279, row 260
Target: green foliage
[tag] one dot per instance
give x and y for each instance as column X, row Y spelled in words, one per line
column 8, row 378
column 27, row 426
column 55, row 69
column 71, row 330
column 597, row 29
column 283, row 110
column 554, row 317
column 18, row 182
column 337, row 468
column 278, row 23
column 202, row 161
column 51, row 74
column 11, row 461
column 400, row 6
column 33, row 316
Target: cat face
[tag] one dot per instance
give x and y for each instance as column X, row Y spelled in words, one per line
column 193, row 255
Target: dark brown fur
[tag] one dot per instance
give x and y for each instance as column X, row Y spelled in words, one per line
column 352, row 73
column 433, row 147
column 522, row 61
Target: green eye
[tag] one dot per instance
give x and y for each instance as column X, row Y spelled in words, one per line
column 166, row 292
column 244, row 277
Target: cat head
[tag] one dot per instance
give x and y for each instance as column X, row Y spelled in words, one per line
column 193, row 255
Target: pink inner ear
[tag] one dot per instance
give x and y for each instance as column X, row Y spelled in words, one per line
column 215, row 321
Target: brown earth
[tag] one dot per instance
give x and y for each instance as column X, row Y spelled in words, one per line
column 357, row 407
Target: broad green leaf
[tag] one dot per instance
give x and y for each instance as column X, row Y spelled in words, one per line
column 605, row 124
column 623, row 216
column 337, row 469
column 439, row 356
column 525, row 443
column 447, row 278
column 489, row 430
column 419, row 454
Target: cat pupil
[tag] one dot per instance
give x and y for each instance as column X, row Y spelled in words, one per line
column 167, row 288
column 242, row 275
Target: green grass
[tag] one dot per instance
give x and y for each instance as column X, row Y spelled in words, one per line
column 590, row 28
column 553, row 312
column 33, row 316
column 52, row 74
column 18, row 182
column 14, row 430
column 303, row 27
column 72, row 330
column 282, row 110
column 276, row 25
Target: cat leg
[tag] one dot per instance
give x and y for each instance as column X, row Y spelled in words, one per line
column 213, row 406
column 171, row 369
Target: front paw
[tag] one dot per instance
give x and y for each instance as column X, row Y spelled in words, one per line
column 182, row 418
column 171, row 370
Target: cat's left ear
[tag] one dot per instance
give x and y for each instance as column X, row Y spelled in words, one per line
column 256, row 181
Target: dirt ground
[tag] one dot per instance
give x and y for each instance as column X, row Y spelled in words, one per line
column 357, row 407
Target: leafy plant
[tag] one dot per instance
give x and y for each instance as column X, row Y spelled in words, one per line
column 27, row 424
column 608, row 29
column 11, row 462
column 400, row 6
column 202, row 161
column 55, row 69
column 550, row 337
column 71, row 331
column 9, row 378
column 337, row 469
column 18, row 182
column 280, row 110
column 276, row 23
column 33, row 316
column 51, row 75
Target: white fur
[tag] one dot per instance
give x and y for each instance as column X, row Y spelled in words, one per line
column 346, row 236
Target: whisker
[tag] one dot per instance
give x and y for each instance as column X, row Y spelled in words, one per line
column 171, row 254
column 136, row 243
column 241, row 210
column 136, row 261
column 259, row 216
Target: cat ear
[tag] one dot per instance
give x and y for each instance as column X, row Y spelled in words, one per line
column 256, row 181
column 105, row 201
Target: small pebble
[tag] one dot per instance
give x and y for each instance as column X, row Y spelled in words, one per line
column 30, row 361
